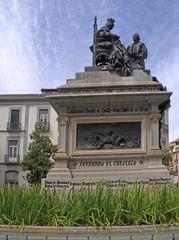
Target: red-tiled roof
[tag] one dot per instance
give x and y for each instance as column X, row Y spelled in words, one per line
column 176, row 140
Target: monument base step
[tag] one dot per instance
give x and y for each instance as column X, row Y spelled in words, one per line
column 68, row 179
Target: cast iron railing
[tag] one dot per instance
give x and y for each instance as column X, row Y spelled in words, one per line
column 13, row 126
column 12, row 159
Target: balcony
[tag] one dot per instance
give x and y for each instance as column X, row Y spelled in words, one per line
column 13, row 126
column 14, row 160
column 44, row 125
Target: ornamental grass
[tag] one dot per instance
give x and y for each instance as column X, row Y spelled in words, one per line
column 103, row 206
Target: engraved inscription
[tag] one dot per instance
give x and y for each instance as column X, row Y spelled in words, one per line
column 112, row 183
column 144, row 108
column 105, row 163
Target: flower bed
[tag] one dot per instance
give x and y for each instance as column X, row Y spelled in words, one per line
column 102, row 206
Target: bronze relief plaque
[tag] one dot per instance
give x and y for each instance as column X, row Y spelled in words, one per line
column 115, row 135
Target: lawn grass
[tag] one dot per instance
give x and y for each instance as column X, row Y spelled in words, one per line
column 103, row 206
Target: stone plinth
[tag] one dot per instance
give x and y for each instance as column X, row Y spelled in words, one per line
column 109, row 128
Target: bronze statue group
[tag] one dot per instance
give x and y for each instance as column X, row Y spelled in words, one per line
column 111, row 54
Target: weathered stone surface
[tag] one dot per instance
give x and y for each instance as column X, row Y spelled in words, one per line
column 82, row 231
column 102, row 97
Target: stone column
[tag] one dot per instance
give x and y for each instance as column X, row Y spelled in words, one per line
column 60, row 170
column 155, row 130
column 61, row 157
column 62, row 128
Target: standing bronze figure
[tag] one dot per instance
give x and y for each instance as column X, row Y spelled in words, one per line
column 137, row 52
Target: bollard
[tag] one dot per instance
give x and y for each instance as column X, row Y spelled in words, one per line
column 7, row 237
column 109, row 237
column 26, row 237
column 152, row 237
column 130, row 237
column 46, row 238
column 66, row 237
column 88, row 238
column 173, row 237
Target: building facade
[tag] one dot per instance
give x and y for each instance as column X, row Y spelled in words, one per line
column 174, row 150
column 19, row 114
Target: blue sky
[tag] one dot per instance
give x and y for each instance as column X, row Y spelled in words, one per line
column 44, row 42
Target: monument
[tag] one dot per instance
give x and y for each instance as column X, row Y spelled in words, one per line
column 109, row 118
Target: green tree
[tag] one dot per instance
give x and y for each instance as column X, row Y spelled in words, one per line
column 167, row 159
column 37, row 160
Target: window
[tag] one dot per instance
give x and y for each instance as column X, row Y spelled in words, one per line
column 11, row 177
column 43, row 119
column 14, row 123
column 13, row 152
column 14, row 115
column 176, row 148
column 43, row 115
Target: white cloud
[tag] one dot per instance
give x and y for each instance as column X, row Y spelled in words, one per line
column 18, row 62
column 45, row 42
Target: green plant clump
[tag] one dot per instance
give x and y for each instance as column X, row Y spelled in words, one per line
column 102, row 206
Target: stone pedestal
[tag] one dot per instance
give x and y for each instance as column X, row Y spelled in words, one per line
column 108, row 129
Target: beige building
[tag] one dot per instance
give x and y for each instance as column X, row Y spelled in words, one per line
column 174, row 150
column 19, row 116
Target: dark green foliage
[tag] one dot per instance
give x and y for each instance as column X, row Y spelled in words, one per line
column 167, row 159
column 37, row 161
